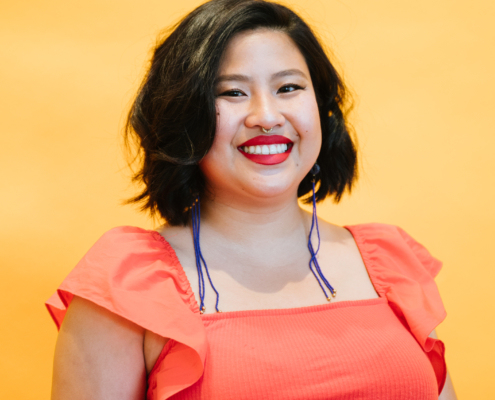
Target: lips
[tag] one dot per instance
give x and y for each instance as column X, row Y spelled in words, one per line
column 280, row 145
column 266, row 140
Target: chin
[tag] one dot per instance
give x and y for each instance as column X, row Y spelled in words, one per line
column 270, row 189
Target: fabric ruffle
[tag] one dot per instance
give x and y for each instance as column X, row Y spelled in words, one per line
column 135, row 274
column 403, row 272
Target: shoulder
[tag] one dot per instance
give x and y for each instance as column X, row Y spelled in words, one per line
column 332, row 232
column 125, row 239
column 125, row 258
column 132, row 272
column 403, row 271
column 130, row 284
column 375, row 229
column 392, row 243
column 128, row 248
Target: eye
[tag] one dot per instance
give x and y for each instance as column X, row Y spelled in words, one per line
column 233, row 93
column 290, row 87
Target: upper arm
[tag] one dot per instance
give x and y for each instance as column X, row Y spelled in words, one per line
column 98, row 355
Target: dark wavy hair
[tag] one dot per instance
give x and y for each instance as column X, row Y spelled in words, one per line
column 173, row 118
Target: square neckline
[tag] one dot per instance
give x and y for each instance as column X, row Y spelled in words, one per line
column 276, row 311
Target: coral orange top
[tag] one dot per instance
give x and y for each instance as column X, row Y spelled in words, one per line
column 364, row 349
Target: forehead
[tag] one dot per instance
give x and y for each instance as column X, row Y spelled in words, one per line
column 262, row 51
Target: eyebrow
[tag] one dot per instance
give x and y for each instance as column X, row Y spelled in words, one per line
column 245, row 78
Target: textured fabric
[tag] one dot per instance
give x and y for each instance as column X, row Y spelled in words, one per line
column 134, row 273
column 345, row 350
column 361, row 349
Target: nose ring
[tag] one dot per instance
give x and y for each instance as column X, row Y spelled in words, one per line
column 267, row 130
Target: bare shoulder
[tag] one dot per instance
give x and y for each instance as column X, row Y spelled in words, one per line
column 181, row 240
column 179, row 237
column 333, row 233
column 338, row 239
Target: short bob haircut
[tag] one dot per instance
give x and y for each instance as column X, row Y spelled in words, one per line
column 173, row 118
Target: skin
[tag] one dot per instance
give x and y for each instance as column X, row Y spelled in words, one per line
column 253, row 233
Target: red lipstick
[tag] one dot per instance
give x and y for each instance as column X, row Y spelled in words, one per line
column 263, row 140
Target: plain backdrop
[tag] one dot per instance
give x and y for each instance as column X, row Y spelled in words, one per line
column 422, row 74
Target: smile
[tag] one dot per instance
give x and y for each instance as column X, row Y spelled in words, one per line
column 267, row 150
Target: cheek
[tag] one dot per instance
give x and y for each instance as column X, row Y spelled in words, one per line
column 228, row 118
column 211, row 164
column 223, row 129
column 308, row 125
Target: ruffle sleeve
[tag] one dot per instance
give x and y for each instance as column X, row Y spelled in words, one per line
column 403, row 272
column 135, row 274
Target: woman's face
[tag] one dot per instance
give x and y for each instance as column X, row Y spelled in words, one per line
column 263, row 82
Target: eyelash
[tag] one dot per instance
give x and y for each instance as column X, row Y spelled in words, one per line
column 292, row 85
column 231, row 92
column 289, row 85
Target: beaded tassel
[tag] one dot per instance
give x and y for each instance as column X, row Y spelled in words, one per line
column 200, row 261
column 313, row 262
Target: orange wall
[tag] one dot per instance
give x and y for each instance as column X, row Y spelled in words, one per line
column 422, row 74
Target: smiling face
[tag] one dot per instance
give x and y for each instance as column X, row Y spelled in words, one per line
column 268, row 127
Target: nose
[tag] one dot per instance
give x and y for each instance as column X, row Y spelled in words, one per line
column 264, row 112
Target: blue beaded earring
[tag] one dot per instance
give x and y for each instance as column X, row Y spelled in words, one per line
column 313, row 262
column 200, row 261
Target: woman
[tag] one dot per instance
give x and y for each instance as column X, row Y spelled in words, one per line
column 240, row 115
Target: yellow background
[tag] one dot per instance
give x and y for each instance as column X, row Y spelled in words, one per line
column 423, row 76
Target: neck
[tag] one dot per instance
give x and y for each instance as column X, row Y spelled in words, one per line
column 264, row 223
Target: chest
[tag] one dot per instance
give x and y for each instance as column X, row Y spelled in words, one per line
column 244, row 284
column 344, row 350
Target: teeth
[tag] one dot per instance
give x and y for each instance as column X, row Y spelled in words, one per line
column 266, row 149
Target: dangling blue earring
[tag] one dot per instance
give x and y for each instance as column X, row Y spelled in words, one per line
column 196, row 222
column 313, row 262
